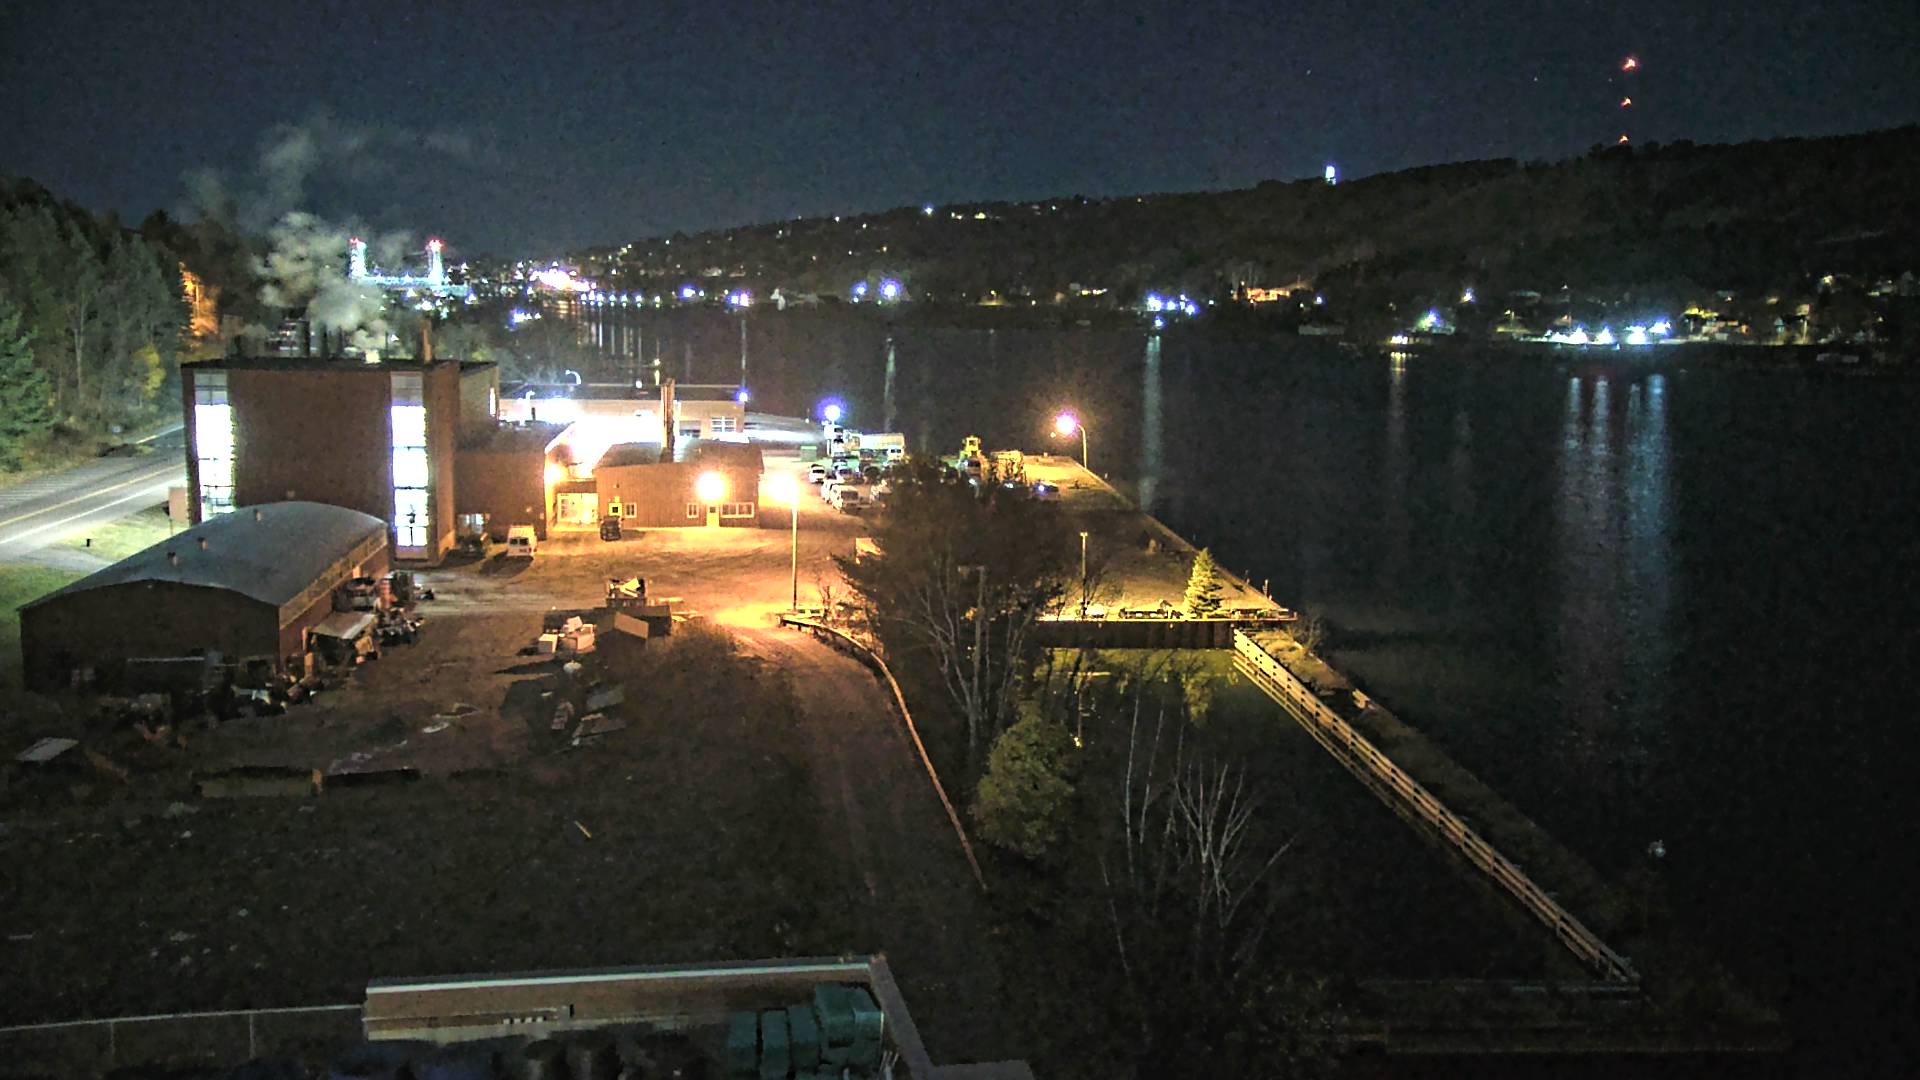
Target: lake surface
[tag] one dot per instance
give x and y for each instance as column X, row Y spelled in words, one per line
column 1645, row 600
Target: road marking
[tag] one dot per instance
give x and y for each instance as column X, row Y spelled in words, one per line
column 167, row 471
column 146, row 493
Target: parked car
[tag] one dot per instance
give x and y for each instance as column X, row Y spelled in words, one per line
column 521, row 542
column 1046, row 492
column 849, row 499
column 1163, row 610
column 609, row 528
column 816, row 473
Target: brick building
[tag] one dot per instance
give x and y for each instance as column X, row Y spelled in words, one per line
column 374, row 437
column 249, row 583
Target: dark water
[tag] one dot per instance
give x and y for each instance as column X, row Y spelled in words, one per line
column 1646, row 601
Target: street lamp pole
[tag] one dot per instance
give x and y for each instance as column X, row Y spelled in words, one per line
column 1084, row 463
column 1083, row 573
column 793, row 507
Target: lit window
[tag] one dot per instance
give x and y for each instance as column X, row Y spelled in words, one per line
column 213, row 440
column 723, row 424
column 693, row 510
column 412, row 510
column 737, row 510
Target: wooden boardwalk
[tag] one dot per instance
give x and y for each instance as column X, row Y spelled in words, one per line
column 1413, row 802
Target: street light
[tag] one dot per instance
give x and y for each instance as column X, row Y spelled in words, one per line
column 1065, row 425
column 1083, row 573
column 788, row 488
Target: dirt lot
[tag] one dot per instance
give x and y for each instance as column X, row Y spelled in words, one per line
column 762, row 803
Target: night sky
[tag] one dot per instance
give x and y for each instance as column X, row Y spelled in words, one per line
column 532, row 128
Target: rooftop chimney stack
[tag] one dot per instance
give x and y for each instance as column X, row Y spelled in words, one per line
column 259, row 514
column 203, row 543
column 173, row 558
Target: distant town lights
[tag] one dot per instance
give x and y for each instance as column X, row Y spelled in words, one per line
column 831, row 412
column 1466, row 295
column 1332, row 174
column 688, row 292
column 889, row 290
column 859, row 290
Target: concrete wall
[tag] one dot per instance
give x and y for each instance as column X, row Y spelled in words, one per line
column 509, row 486
column 102, row 628
column 656, row 496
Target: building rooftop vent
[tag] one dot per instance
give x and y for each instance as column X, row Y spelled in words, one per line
column 203, row 543
column 259, row 514
column 173, row 558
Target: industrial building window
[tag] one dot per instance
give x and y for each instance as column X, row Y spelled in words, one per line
column 213, row 442
column 690, row 429
column 693, row 510
column 723, row 424
column 412, row 517
column 736, row 510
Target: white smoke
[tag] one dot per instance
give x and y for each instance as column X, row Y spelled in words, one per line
column 305, row 269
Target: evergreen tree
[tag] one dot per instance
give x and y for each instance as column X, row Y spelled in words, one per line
column 1203, row 586
column 26, row 398
column 1022, row 802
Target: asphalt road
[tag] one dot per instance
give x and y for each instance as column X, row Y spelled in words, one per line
column 41, row 511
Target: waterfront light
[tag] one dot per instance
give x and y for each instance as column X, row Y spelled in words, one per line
column 831, row 412
column 1159, row 323
column 741, row 395
column 1604, row 337
column 711, row 487
column 1066, row 425
column 859, row 290
column 1154, row 303
column 1661, row 328
column 1466, row 295
column 927, row 210
column 1636, row 335
column 687, row 292
column 889, row 290
column 1332, row 175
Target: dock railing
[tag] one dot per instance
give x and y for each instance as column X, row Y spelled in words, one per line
column 1406, row 795
column 867, row 655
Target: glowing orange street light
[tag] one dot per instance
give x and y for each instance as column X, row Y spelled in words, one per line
column 1065, row 425
column 1629, row 64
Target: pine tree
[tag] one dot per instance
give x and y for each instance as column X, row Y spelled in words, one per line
column 1022, row 802
column 1203, row 586
column 26, row 397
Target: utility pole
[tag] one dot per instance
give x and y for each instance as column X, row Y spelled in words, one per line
column 886, row 410
column 743, row 351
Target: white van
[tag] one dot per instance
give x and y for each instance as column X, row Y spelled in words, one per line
column 521, row 542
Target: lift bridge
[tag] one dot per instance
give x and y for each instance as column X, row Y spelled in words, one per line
column 434, row 281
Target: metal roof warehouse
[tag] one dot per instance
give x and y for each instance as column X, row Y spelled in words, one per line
column 249, row 583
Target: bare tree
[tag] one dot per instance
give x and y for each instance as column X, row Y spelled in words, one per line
column 1187, row 857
